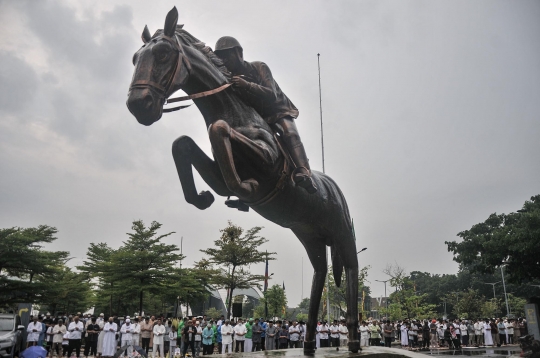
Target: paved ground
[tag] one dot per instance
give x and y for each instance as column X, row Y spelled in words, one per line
column 491, row 352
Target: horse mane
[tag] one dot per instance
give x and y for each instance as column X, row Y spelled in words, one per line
column 207, row 51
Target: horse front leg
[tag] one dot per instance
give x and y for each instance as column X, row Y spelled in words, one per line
column 220, row 136
column 186, row 153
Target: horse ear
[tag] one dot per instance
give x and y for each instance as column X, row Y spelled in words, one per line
column 145, row 36
column 170, row 22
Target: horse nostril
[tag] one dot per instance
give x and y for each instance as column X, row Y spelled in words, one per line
column 148, row 101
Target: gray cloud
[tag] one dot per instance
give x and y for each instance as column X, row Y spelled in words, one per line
column 430, row 110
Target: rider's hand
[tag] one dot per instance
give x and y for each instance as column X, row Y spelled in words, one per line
column 239, row 82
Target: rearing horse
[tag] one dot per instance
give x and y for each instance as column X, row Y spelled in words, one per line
column 248, row 161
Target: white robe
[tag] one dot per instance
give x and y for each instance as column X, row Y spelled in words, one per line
column 488, row 340
column 109, row 339
column 404, row 335
column 127, row 336
column 33, row 336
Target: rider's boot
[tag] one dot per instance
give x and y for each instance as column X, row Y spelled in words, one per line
column 302, row 174
column 236, row 204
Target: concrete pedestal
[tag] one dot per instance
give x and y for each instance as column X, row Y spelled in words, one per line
column 366, row 352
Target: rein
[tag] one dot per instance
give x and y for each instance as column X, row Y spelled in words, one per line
column 164, row 90
column 192, row 96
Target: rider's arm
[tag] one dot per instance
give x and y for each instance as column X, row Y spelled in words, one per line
column 267, row 89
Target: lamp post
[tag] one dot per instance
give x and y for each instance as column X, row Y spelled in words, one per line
column 385, row 298
column 492, row 284
column 504, row 288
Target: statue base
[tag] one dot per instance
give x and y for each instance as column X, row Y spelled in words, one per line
column 364, row 352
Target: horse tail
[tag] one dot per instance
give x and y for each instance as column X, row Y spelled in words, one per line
column 337, row 265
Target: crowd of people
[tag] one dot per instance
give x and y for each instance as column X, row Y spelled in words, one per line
column 103, row 336
column 454, row 334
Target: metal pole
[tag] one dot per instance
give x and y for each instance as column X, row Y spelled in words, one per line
column 504, row 287
column 302, row 297
column 324, row 171
column 385, row 297
column 320, row 107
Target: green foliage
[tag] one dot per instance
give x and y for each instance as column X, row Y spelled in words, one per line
column 302, row 317
column 406, row 301
column 143, row 269
column 233, row 252
column 517, row 305
column 213, row 313
column 467, row 304
column 490, row 308
column 510, row 239
column 276, row 300
column 23, row 259
column 65, row 291
column 338, row 295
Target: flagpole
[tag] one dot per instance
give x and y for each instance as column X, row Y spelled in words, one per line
column 266, row 287
column 324, row 172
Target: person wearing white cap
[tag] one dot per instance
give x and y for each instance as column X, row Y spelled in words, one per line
column 226, row 337
column 109, row 339
column 127, row 336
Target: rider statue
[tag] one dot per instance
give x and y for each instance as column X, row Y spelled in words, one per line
column 258, row 88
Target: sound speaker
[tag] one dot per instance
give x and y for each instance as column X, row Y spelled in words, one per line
column 237, row 309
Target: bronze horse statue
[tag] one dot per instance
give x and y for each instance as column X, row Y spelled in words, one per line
column 248, row 161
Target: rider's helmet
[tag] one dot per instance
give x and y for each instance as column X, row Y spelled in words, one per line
column 227, row 42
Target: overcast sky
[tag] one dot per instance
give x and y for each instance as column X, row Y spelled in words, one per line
column 431, row 120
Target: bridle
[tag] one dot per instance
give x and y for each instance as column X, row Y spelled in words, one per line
column 164, row 92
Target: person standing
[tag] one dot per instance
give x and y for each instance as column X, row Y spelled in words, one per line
column 239, row 336
column 375, row 331
column 488, row 337
column 256, row 331
column 294, row 335
column 343, row 334
column 49, row 335
column 146, row 333
column 502, row 332
column 109, row 338
column 92, row 333
column 34, row 329
column 323, row 334
column 208, row 335
column 198, row 338
column 127, row 336
column 283, row 337
column 159, row 332
column 364, row 334
column 173, row 336
column 248, row 345
column 226, row 337
column 334, row 335
column 59, row 330
column 75, row 332
column 388, row 331
column 464, row 333
column 271, row 332
column 136, row 332
column 264, row 326
column 479, row 333
column 189, row 338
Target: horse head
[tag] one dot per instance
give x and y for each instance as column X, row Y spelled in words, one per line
column 161, row 68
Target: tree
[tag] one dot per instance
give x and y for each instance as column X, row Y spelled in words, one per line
column 65, row 291
column 22, row 257
column 505, row 239
column 276, row 301
column 406, row 301
column 233, row 253
column 213, row 313
column 467, row 304
column 338, row 295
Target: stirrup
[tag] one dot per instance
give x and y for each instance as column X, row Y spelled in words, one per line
column 236, row 204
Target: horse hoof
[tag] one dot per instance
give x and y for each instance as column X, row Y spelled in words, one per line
column 354, row 346
column 309, row 347
column 204, row 200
